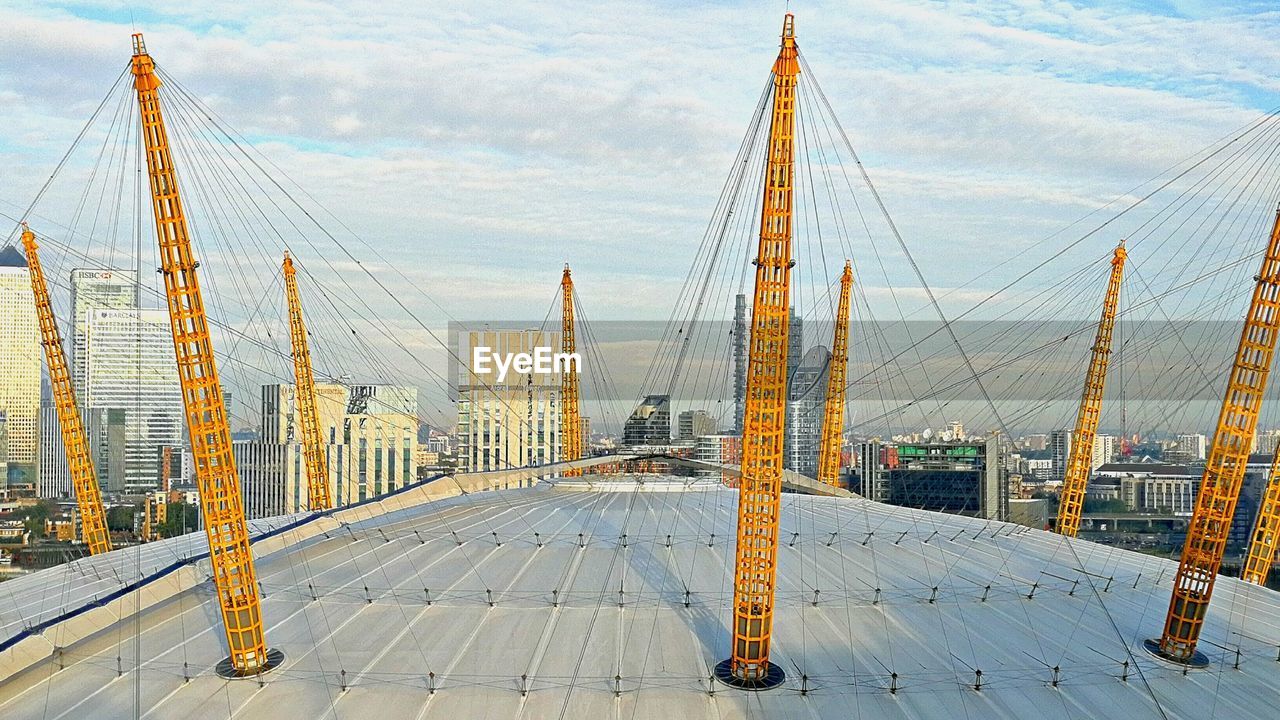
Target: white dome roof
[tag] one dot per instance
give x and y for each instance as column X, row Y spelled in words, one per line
column 616, row 604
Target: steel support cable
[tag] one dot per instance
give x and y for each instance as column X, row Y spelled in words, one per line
column 910, row 259
column 600, row 378
column 1250, row 229
column 744, row 223
column 248, row 200
column 357, row 263
column 79, row 136
column 369, row 357
column 1079, row 240
column 708, row 248
column 733, row 216
column 373, row 277
column 808, row 81
column 1190, row 283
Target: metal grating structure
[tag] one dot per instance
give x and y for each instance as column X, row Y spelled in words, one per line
column 1080, row 459
column 220, row 503
column 755, row 557
column 84, row 478
column 833, row 412
column 313, row 451
column 570, row 412
column 1225, row 466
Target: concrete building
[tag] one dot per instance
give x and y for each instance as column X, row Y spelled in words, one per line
column 807, row 391
column 1060, row 451
column 1104, row 450
column 717, row 450
column 128, row 363
column 693, row 424
column 513, row 421
column 20, row 360
column 1188, row 448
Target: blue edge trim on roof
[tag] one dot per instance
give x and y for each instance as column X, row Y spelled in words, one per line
column 39, row 628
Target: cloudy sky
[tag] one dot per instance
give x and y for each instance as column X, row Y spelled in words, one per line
column 530, row 134
column 478, row 146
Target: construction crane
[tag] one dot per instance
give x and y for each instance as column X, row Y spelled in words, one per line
column 313, row 452
column 1266, row 530
column 570, row 412
column 84, row 478
column 1080, row 458
column 220, row 503
column 764, row 420
column 1224, row 470
column 833, row 414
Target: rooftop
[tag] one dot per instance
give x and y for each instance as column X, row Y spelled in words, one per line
column 11, row 256
column 589, row 600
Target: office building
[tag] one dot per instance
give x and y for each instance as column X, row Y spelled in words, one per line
column 370, row 435
column 649, row 423
column 55, row 475
column 693, row 424
column 1189, row 448
column 20, row 360
column 964, row 478
column 95, row 290
column 717, row 450
column 513, row 421
column 128, row 363
column 1104, row 450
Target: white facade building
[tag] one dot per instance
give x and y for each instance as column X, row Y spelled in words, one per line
column 129, row 365
column 20, row 361
column 95, row 290
column 55, row 475
column 512, row 423
column 370, row 434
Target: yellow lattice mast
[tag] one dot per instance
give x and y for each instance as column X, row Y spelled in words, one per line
column 1266, row 531
column 570, row 411
column 1225, row 467
column 833, row 413
column 220, row 501
column 312, row 446
column 84, row 478
column 1080, row 459
column 764, row 420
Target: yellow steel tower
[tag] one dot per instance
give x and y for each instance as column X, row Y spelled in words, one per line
column 1080, row 459
column 570, row 412
column 305, row 392
column 1224, row 470
column 833, row 414
column 220, row 503
column 1266, row 531
column 760, row 489
column 84, row 479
